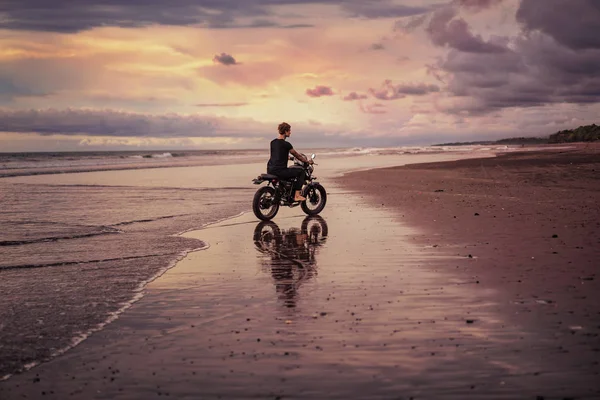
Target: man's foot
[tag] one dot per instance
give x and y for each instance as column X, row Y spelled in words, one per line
column 299, row 198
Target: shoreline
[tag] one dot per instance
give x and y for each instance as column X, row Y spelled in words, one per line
column 7, row 171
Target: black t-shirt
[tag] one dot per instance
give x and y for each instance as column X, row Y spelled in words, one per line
column 280, row 150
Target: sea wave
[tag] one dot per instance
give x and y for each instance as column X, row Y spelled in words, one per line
column 137, row 294
column 112, row 316
column 23, row 164
column 401, row 150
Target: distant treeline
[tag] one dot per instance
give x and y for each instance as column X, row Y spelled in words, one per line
column 588, row 133
column 522, row 140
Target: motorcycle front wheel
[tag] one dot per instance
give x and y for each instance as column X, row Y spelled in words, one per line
column 315, row 227
column 264, row 204
column 316, row 197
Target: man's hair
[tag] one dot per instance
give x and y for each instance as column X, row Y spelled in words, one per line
column 283, row 128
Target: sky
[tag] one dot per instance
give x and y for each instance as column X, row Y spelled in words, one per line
column 78, row 75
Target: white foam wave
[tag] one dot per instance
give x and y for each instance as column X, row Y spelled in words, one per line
column 163, row 155
column 377, row 151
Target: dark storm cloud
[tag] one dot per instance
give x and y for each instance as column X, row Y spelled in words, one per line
column 388, row 91
column 68, row 16
column 538, row 71
column 355, row 96
column 554, row 59
column 572, row 23
column 224, row 59
column 444, row 30
column 319, row 91
column 107, row 123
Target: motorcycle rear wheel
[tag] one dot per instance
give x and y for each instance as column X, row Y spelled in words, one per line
column 316, row 198
column 264, row 204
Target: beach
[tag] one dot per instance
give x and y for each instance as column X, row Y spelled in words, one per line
column 473, row 278
column 525, row 226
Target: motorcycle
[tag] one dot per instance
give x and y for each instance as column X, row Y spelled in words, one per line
column 280, row 192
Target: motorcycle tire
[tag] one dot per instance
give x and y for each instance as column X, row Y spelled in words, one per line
column 261, row 197
column 315, row 228
column 316, row 197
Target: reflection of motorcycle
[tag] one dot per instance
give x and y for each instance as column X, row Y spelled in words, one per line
column 267, row 199
column 290, row 253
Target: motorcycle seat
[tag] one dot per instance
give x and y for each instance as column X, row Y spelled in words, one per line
column 269, row 176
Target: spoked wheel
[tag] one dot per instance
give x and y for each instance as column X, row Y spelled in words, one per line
column 316, row 229
column 264, row 204
column 316, row 197
column 267, row 236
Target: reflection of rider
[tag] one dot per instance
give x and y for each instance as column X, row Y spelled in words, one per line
column 277, row 165
column 291, row 254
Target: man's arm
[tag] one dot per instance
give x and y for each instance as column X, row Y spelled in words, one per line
column 300, row 156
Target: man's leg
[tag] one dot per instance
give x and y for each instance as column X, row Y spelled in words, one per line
column 300, row 176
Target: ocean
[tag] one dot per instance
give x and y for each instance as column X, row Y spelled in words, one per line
column 83, row 233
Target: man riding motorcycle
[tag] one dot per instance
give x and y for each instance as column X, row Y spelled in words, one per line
column 277, row 165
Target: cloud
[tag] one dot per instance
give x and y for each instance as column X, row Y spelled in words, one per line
column 377, row 46
column 410, row 25
column 107, row 123
column 477, row 5
column 390, row 92
column 9, row 90
column 555, row 59
column 383, row 9
column 573, row 24
column 232, row 23
column 220, row 104
column 548, row 62
column 97, row 125
column 45, row 75
column 224, row 59
column 444, row 30
column 66, row 16
column 539, row 71
column 375, row 108
column 320, row 91
column 355, row 96
column 116, row 128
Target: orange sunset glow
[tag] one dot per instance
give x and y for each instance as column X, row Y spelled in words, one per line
column 204, row 74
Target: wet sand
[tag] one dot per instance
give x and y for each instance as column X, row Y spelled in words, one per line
column 370, row 301
column 79, row 248
column 525, row 226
